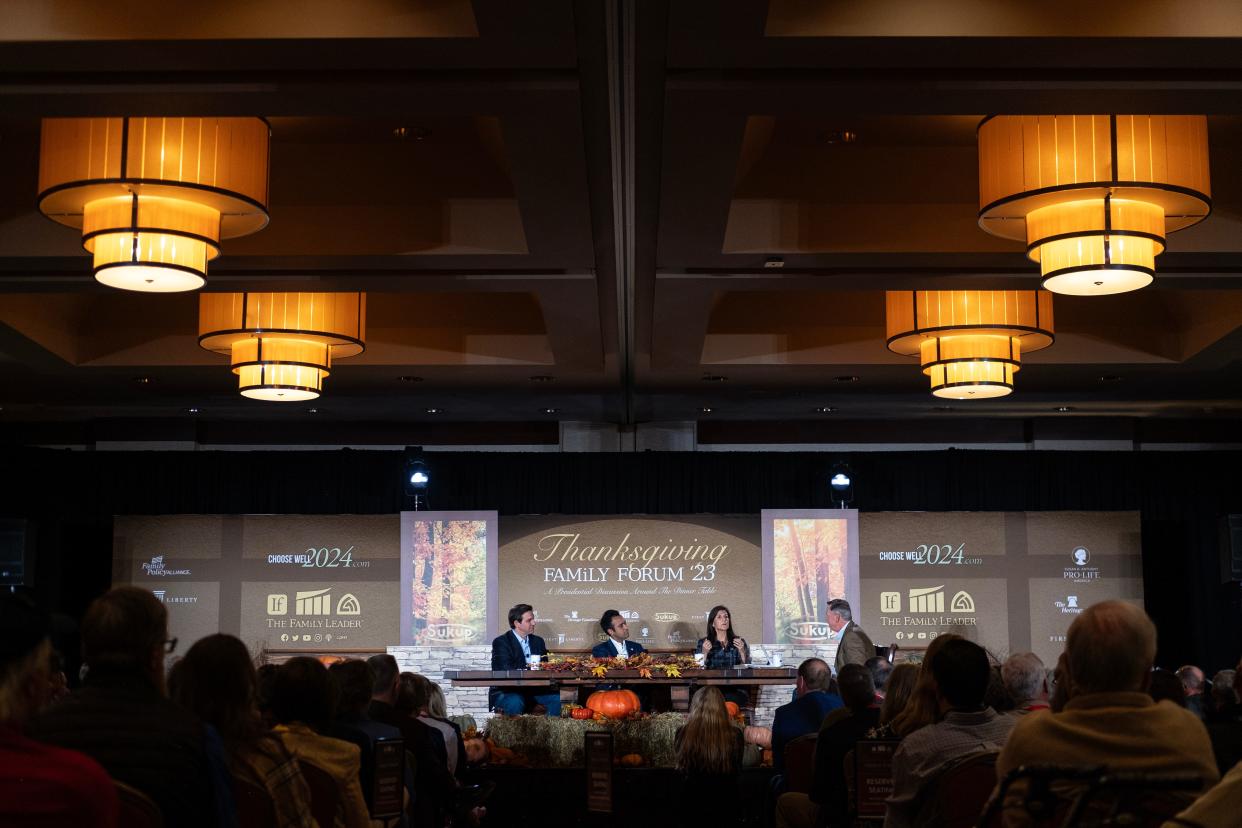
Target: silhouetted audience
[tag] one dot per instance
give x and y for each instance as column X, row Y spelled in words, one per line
column 1026, row 682
column 897, row 692
column 1164, row 685
column 1225, row 732
column 806, row 712
column 121, row 718
column 1193, row 683
column 41, row 786
column 302, row 704
column 216, row 681
column 708, row 750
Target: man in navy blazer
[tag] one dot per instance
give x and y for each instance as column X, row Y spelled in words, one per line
column 806, row 712
column 617, row 644
column 511, row 652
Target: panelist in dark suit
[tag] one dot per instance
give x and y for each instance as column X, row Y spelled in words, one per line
column 512, row 651
column 617, row 645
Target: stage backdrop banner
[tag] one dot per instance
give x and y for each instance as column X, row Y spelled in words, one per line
column 810, row 556
column 1010, row 581
column 448, row 576
column 275, row 581
column 663, row 573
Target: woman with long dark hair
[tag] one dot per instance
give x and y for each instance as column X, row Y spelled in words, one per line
column 722, row 647
column 216, row 681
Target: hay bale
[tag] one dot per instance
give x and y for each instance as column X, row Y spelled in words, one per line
column 558, row 743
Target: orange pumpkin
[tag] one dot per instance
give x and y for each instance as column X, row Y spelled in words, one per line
column 733, row 709
column 631, row 760
column 581, row 713
column 614, row 703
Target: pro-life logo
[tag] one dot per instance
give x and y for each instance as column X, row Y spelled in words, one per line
column 1081, row 556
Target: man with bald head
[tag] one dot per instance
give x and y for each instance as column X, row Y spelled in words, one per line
column 806, row 712
column 1109, row 719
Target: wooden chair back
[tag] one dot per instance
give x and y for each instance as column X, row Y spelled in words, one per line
column 255, row 808
column 800, row 763
column 957, row 796
column 325, row 796
column 137, row 810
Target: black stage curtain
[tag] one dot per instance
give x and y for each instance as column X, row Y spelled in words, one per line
column 70, row 497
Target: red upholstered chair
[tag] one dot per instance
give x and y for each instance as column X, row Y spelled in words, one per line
column 958, row 794
column 324, row 794
column 800, row 763
column 137, row 809
column 255, row 808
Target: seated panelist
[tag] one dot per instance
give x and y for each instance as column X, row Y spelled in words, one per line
column 513, row 651
column 722, row 647
column 617, row 645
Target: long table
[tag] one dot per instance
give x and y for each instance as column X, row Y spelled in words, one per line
column 679, row 688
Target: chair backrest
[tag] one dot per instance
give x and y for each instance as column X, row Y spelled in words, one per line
column 1038, row 796
column 389, row 778
column 137, row 810
column 255, row 808
column 956, row 797
column 800, row 763
column 324, row 793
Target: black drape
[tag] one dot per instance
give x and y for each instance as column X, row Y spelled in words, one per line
column 70, row 497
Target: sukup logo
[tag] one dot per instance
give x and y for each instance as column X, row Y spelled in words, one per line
column 807, row 631
column 450, row 632
column 666, row 617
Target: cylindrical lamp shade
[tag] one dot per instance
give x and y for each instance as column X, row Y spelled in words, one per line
column 154, row 196
column 282, row 345
column 1093, row 196
column 969, row 342
column 971, row 367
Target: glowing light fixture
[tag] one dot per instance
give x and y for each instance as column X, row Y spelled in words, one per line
column 1093, row 196
column 282, row 345
column 969, row 342
column 154, row 196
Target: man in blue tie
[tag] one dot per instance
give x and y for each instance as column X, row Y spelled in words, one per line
column 513, row 651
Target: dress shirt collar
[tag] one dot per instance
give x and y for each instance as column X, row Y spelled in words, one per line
column 619, row 646
column 970, row 717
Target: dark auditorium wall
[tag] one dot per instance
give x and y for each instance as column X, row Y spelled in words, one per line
column 70, row 498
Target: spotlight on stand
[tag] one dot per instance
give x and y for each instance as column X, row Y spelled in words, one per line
column 842, row 484
column 417, row 478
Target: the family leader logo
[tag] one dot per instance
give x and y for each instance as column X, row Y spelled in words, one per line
column 314, row 602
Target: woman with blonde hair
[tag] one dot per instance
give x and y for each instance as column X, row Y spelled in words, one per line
column 708, row 751
column 921, row 709
column 897, row 691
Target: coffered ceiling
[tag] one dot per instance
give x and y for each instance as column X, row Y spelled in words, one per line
column 615, row 212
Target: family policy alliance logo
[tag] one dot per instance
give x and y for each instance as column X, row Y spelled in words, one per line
column 1080, row 571
column 157, row 568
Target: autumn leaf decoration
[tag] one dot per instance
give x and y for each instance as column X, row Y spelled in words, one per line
column 644, row 672
column 670, row 670
column 599, row 670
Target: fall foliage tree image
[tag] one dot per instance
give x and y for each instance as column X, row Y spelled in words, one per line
column 809, row 558
column 450, row 581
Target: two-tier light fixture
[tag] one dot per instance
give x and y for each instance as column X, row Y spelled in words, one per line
column 154, row 196
column 282, row 345
column 969, row 342
column 1093, row 196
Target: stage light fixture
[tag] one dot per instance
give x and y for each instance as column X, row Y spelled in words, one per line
column 417, row 477
column 842, row 484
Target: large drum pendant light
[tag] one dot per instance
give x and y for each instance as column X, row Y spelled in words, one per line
column 154, row 196
column 282, row 345
column 1093, row 196
column 969, row 342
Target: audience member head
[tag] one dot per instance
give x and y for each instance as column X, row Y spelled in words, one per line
column 813, row 674
column 839, row 614
column 386, row 676
column 922, row 708
column 353, row 680
column 1192, row 679
column 216, row 681
column 25, row 657
column 1166, row 686
column 857, row 687
column 1110, row 648
column 125, row 629
column 961, row 671
column 1223, row 693
column 437, row 705
column 413, row 694
column 708, row 738
column 996, row 696
column 302, row 693
column 880, row 671
column 897, row 690
column 1025, row 678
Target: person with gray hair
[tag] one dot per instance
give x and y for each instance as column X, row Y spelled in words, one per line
column 1109, row 719
column 1193, row 682
column 1223, row 701
column 855, row 646
column 1026, row 681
